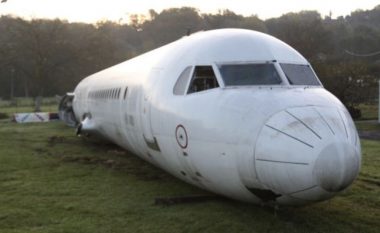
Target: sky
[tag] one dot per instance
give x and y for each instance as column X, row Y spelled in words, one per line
column 91, row 11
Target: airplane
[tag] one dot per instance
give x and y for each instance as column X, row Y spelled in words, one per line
column 236, row 112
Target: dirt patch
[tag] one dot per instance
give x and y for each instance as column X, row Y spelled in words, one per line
column 368, row 181
column 91, row 160
column 56, row 139
column 108, row 155
column 132, row 166
column 117, row 152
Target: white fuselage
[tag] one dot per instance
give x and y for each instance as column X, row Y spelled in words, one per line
column 282, row 143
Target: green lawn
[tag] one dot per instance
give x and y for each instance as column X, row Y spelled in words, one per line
column 52, row 181
column 16, row 109
column 367, row 125
column 7, row 108
column 369, row 111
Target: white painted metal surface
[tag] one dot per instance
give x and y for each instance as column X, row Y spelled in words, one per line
column 31, row 117
column 283, row 143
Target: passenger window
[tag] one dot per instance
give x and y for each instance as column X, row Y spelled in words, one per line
column 180, row 85
column 203, row 79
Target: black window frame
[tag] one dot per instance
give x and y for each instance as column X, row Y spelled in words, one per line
column 194, row 77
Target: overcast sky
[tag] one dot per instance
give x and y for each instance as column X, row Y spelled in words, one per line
column 95, row 10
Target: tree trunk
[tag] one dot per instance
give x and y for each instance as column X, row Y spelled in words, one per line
column 26, row 88
column 38, row 102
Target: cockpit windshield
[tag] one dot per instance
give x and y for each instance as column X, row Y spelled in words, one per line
column 249, row 74
column 300, row 74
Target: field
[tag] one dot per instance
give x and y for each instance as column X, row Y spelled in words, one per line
column 7, row 108
column 369, row 111
column 53, row 181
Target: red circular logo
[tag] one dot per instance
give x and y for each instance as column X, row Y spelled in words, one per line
column 181, row 136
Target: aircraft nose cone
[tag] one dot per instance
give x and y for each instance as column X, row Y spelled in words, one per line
column 308, row 153
column 336, row 166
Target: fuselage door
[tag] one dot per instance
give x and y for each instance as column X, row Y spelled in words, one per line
column 146, row 112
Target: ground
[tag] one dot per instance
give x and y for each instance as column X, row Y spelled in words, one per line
column 53, row 181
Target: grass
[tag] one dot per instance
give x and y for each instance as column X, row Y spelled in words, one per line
column 52, row 181
column 368, row 126
column 19, row 105
column 18, row 109
column 369, row 111
column 368, row 121
column 23, row 101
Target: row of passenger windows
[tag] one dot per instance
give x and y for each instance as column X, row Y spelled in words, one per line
column 203, row 77
column 112, row 93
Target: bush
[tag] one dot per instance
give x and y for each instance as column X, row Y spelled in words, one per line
column 355, row 112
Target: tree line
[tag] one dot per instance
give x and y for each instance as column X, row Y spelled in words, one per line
column 43, row 57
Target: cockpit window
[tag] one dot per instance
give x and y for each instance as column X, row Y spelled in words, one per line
column 249, row 74
column 183, row 80
column 300, row 75
column 203, row 79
